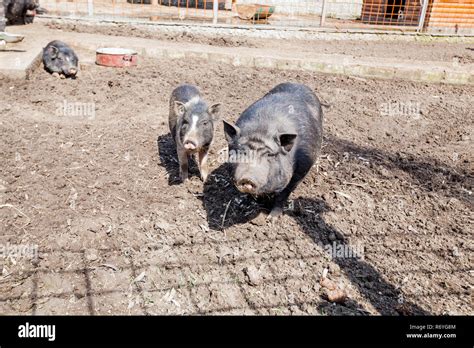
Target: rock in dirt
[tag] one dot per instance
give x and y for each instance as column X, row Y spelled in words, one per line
column 304, row 289
column 334, row 269
column 337, row 296
column 179, row 240
column 163, row 225
column 91, row 255
column 328, row 284
column 253, row 276
column 260, row 220
column 94, row 226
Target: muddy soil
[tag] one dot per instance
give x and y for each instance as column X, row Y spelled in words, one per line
column 386, row 214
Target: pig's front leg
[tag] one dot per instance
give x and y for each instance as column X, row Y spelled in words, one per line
column 281, row 198
column 183, row 163
column 203, row 166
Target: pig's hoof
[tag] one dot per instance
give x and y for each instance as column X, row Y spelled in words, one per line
column 274, row 215
column 62, row 76
column 55, row 74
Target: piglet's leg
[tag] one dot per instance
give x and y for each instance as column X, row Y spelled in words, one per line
column 183, row 164
column 203, row 166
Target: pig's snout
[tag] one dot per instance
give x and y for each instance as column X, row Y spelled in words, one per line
column 190, row 145
column 246, row 186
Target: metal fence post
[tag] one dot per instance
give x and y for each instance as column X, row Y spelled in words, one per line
column 90, row 7
column 323, row 13
column 215, row 10
column 3, row 20
column 421, row 21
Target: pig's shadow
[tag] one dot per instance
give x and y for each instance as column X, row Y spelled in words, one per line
column 169, row 159
column 225, row 206
column 383, row 296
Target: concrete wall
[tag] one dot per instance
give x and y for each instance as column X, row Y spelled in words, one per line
column 335, row 8
column 349, row 9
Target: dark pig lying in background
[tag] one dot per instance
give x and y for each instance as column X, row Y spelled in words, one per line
column 21, row 11
column 60, row 59
column 275, row 142
column 191, row 124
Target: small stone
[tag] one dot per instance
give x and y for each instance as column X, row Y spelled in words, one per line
column 260, row 220
column 337, row 296
column 91, row 255
column 328, row 284
column 332, row 236
column 304, row 289
column 179, row 240
column 253, row 276
column 94, row 227
column 456, row 252
column 67, row 145
column 162, row 225
column 334, row 269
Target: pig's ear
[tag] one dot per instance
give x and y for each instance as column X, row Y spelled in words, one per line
column 54, row 52
column 179, row 108
column 214, row 110
column 287, row 140
column 230, row 131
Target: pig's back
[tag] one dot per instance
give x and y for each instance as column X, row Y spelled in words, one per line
column 287, row 112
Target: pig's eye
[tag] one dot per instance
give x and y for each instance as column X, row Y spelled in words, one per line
column 270, row 154
column 205, row 123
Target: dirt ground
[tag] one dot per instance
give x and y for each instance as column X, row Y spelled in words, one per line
column 118, row 234
column 458, row 53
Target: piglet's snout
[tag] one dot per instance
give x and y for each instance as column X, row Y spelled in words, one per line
column 190, row 145
column 246, row 186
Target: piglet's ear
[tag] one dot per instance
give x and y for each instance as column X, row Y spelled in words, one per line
column 214, row 110
column 230, row 131
column 54, row 52
column 179, row 108
column 287, row 140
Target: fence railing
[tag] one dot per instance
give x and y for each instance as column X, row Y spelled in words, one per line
column 452, row 16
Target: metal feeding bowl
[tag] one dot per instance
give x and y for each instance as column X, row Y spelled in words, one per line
column 10, row 38
column 116, row 57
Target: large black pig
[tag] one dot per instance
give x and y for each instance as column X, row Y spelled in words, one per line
column 275, row 142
